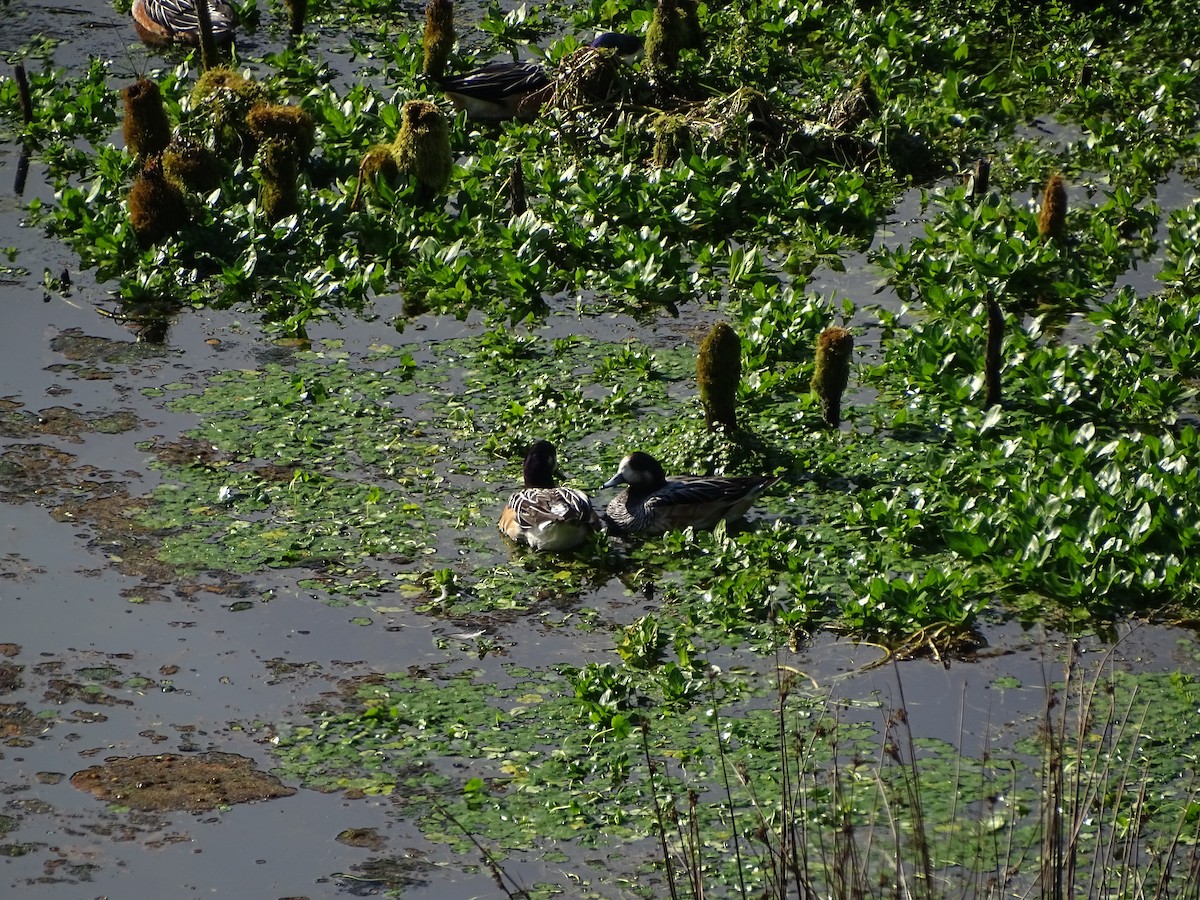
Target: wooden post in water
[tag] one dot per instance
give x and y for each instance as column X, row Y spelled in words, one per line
column 23, row 93
column 991, row 364
column 208, row 46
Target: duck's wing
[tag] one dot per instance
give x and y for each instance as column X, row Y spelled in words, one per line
column 686, row 490
column 497, row 81
column 537, row 507
column 180, row 17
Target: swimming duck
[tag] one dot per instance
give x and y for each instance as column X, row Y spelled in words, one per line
column 652, row 503
column 502, row 90
column 159, row 22
column 542, row 515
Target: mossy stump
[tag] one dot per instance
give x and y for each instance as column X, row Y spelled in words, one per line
column 279, row 122
column 378, row 167
column 297, row 16
column 719, row 374
column 279, row 169
column 222, row 99
column 190, row 165
column 438, row 40
column 668, row 35
column 835, row 347
column 157, row 208
column 1052, row 218
column 422, row 148
column 146, row 127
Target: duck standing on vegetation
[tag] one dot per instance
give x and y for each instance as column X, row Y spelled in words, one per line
column 652, row 503
column 500, row 90
column 543, row 515
column 159, row 22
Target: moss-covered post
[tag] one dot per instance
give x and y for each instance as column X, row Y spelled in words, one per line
column 991, row 363
column 439, row 36
column 279, row 169
column 719, row 373
column 147, row 130
column 422, row 148
column 297, row 16
column 1052, row 218
column 665, row 38
column 835, row 347
column 156, row 207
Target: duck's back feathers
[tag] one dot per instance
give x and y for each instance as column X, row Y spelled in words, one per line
column 557, row 518
column 174, row 21
column 496, row 81
column 543, row 515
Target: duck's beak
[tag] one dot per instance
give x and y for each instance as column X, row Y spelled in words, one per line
column 614, row 481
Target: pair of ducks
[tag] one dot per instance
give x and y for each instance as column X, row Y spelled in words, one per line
column 548, row 517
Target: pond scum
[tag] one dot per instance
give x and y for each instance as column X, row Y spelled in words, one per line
column 758, row 142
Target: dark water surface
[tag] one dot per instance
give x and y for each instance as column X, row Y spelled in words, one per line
column 194, row 675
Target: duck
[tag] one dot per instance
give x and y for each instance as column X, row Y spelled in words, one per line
column 504, row 90
column 497, row 91
column 160, row 22
column 544, row 515
column 653, row 503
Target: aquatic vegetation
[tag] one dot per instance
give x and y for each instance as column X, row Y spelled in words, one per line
column 766, row 181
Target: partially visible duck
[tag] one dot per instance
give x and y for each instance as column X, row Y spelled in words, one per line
column 159, row 22
column 496, row 91
column 652, row 503
column 504, row 90
column 626, row 46
column 543, row 515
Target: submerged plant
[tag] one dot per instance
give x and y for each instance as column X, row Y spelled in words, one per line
column 719, row 373
column 146, row 128
column 835, row 346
